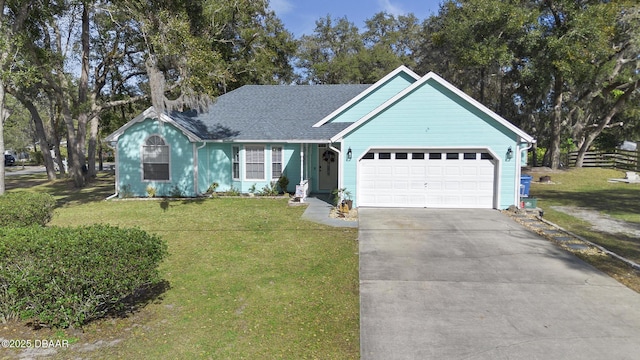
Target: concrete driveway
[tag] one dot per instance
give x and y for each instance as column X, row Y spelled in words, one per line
column 474, row 284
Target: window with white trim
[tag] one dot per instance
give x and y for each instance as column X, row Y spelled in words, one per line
column 276, row 162
column 254, row 162
column 155, row 159
column 236, row 162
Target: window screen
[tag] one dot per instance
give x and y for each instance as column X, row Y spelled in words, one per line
column 155, row 159
column 254, row 156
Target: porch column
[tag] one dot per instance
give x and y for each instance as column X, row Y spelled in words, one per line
column 302, row 188
column 301, row 163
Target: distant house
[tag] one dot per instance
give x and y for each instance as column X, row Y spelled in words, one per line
column 405, row 141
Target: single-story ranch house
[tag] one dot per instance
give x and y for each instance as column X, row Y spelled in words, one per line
column 405, row 141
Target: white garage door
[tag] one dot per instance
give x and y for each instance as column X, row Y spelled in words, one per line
column 426, row 178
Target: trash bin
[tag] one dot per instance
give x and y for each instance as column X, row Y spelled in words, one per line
column 525, row 184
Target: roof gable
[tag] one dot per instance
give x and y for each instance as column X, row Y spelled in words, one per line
column 457, row 92
column 151, row 113
column 401, row 71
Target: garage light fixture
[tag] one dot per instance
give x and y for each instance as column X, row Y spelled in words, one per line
column 509, row 153
column 349, row 154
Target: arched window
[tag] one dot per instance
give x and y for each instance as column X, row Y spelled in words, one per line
column 155, row 159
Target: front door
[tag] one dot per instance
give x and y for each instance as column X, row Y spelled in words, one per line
column 327, row 168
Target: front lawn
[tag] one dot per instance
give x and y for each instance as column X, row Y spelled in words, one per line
column 589, row 188
column 247, row 279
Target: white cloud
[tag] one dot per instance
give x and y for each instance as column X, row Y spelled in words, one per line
column 391, row 8
column 281, row 7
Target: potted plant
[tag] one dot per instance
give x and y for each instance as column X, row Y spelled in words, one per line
column 342, row 197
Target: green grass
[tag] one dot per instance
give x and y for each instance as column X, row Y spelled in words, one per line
column 248, row 279
column 589, row 188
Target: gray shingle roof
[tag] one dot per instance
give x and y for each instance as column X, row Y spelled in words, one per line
column 271, row 112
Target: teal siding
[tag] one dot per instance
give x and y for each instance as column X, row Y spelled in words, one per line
column 216, row 166
column 367, row 104
column 291, row 165
column 214, row 163
column 130, row 161
column 432, row 116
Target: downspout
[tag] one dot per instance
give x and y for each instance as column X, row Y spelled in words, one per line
column 519, row 168
column 195, row 166
column 339, row 165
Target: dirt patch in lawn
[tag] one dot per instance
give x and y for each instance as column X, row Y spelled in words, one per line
column 601, row 222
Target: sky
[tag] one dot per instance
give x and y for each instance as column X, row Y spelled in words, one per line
column 299, row 16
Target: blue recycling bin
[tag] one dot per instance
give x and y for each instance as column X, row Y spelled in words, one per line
column 525, row 184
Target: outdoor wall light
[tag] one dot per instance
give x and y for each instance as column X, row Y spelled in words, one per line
column 509, row 153
column 349, row 154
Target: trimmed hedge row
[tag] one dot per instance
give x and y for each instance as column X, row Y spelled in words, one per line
column 64, row 277
column 18, row 209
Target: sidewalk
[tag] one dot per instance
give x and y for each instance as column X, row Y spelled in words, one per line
column 318, row 211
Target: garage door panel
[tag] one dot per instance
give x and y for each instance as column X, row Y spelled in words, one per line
column 434, row 170
column 486, row 170
column 469, row 186
column 367, row 185
column 434, row 186
column 401, row 171
column 368, row 169
column 451, row 186
column 419, row 169
column 453, row 170
column 384, row 170
column 399, row 180
column 417, row 186
column 469, row 171
column 401, row 185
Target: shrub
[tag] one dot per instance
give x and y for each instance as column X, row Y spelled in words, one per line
column 64, row 277
column 212, row 188
column 23, row 208
column 125, row 191
column 270, row 189
column 283, row 183
column 36, row 157
column 175, row 192
column 233, row 192
column 151, row 191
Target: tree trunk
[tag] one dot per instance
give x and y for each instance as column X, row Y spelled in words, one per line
column 77, row 137
column 4, row 114
column 604, row 123
column 93, row 141
column 556, row 124
column 42, row 137
column 56, row 144
column 59, row 159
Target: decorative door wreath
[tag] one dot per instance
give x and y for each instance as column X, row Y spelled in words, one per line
column 328, row 156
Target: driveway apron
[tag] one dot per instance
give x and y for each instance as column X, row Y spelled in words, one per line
column 474, row 284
